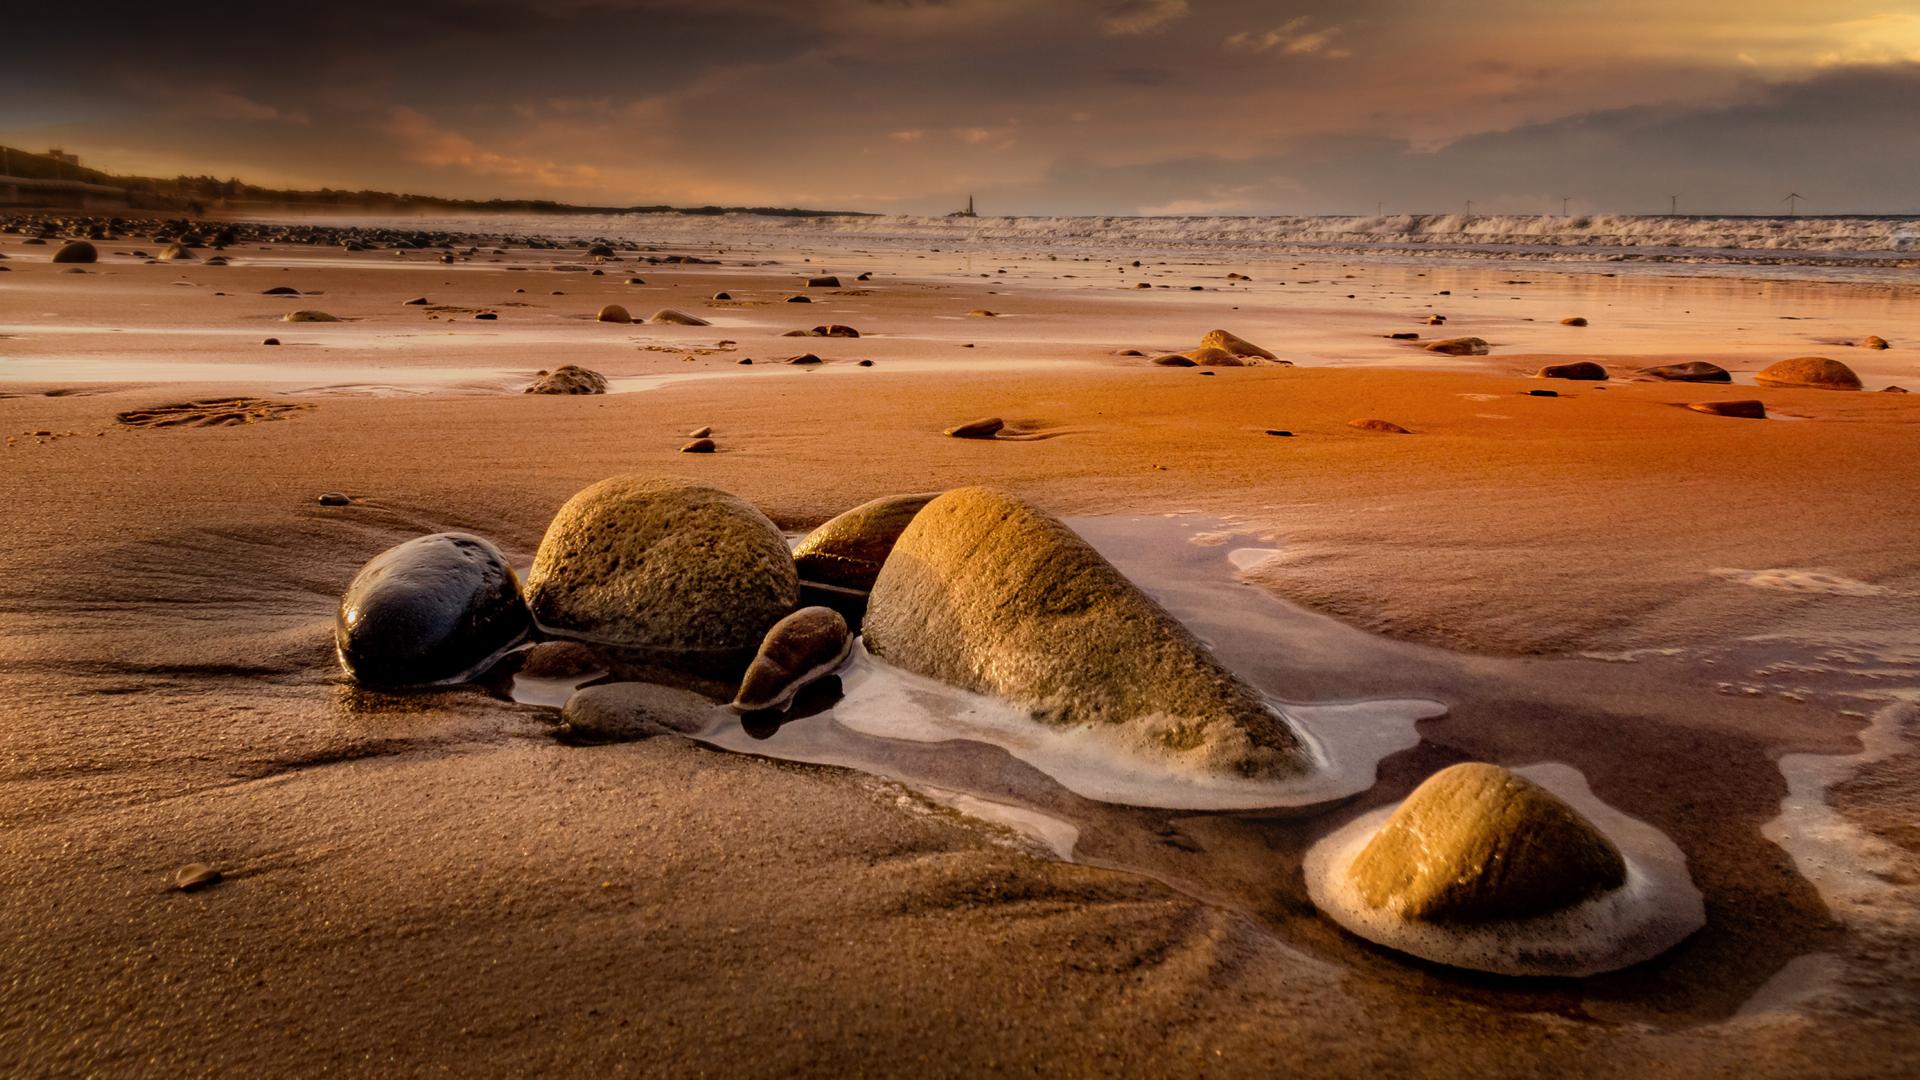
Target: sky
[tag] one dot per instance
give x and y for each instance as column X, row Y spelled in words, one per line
column 1033, row 107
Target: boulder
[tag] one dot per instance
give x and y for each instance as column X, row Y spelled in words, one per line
column 1387, row 426
column 1809, row 372
column 77, row 252
column 1238, row 346
column 627, row 711
column 1874, row 341
column 992, row 595
column 1477, row 842
column 800, row 649
column 1747, row 409
column 436, row 609
column 613, row 313
column 1578, row 370
column 1460, row 346
column 308, row 316
column 1689, row 371
column 823, row 281
column 569, row 379
column 678, row 318
column 663, row 577
column 848, row 551
column 1173, row 360
column 702, row 445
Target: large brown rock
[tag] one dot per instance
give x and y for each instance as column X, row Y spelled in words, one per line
column 848, row 551
column 668, row 580
column 992, row 595
column 1477, row 842
column 77, row 252
column 1812, row 372
column 1238, row 346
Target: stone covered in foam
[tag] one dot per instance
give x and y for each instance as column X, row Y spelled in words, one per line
column 1487, row 869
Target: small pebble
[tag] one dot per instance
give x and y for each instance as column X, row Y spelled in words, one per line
column 194, row 876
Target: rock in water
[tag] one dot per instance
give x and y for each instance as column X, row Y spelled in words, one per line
column 569, row 379
column 1689, row 371
column 1238, row 346
column 983, row 428
column 436, row 609
column 800, row 649
column 1579, row 370
column 666, row 578
column 1810, row 372
column 1460, row 346
column 559, row 660
column 1478, row 842
column 1747, row 409
column 848, row 551
column 626, row 711
column 678, row 318
column 77, row 252
column 992, row 595
column 613, row 313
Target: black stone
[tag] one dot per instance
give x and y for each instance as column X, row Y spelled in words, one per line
column 432, row 610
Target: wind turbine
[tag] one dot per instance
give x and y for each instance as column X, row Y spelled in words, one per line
column 1564, row 200
column 1673, row 206
column 1793, row 202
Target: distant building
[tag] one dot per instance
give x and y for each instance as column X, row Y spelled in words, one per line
column 63, row 157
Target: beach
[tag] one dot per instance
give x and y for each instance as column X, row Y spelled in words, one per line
column 1714, row 620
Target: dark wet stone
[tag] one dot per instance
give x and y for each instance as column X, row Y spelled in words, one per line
column 1543, row 393
column 1690, row 371
column 1461, row 346
column 282, row 290
column 488, row 315
column 271, row 341
column 1405, row 335
column 334, row 498
column 823, row 281
column 418, row 301
column 435, row 609
column 77, row 252
column 801, row 648
column 805, row 360
column 798, row 299
column 1173, row 360
column 1579, row 370
column 1280, row 432
column 613, row 313
column 1748, row 409
column 308, row 316
column 559, row 660
column 983, row 428
column 1574, row 321
column 700, row 446
column 674, row 317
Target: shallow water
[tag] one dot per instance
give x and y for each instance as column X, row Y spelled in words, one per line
column 1346, row 687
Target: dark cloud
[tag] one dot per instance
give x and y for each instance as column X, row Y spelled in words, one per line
column 1075, row 105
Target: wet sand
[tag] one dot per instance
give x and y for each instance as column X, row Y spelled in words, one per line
column 431, row 882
